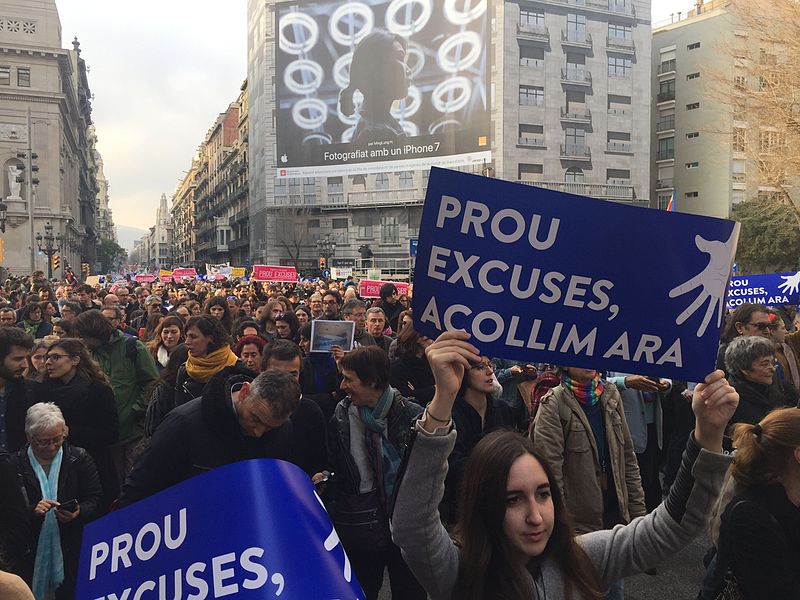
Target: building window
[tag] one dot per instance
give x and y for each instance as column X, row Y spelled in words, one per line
column 666, row 148
column 531, row 18
column 666, row 66
column 692, row 135
column 575, row 137
column 768, row 141
column 529, row 172
column 619, row 66
column 24, row 76
column 692, row 194
column 619, row 32
column 335, row 184
column 364, row 231
column 740, row 82
column 693, row 106
column 313, row 224
column 5, row 75
column 663, row 201
column 618, row 105
column 694, row 46
column 390, row 230
column 576, row 22
column 339, row 223
column 691, row 76
column 406, row 179
column 618, row 176
column 381, row 181
column 530, row 95
column 308, row 185
column 573, row 175
column 739, row 139
column 693, row 165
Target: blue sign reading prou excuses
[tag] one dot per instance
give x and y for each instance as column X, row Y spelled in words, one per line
column 769, row 289
column 251, row 530
column 535, row 274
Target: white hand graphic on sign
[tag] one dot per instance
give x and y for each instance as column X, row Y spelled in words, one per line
column 712, row 281
column 791, row 283
column 331, row 542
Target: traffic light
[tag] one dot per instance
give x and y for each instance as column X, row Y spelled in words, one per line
column 85, row 269
column 34, row 168
column 322, row 262
column 56, row 261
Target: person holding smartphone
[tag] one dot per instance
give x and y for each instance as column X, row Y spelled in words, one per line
column 63, row 492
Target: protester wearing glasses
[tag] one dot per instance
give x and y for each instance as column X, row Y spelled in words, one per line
column 748, row 319
column 32, row 322
column 751, row 363
column 475, row 413
column 52, row 473
column 74, row 382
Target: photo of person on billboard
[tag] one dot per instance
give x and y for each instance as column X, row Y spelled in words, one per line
column 379, row 71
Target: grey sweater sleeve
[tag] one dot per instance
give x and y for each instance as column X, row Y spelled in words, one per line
column 416, row 528
column 645, row 541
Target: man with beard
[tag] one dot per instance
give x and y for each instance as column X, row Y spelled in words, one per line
column 15, row 392
column 331, row 305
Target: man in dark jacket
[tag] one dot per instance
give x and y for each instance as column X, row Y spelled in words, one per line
column 237, row 418
column 15, row 524
column 15, row 392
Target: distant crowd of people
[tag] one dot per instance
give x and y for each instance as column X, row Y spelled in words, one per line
column 463, row 475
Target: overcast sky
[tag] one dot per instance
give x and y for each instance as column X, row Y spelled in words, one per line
column 161, row 72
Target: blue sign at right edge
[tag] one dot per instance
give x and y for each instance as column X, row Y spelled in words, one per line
column 769, row 289
column 533, row 274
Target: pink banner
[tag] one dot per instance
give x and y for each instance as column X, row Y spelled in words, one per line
column 165, row 278
column 187, row 273
column 271, row 273
column 145, row 278
column 368, row 288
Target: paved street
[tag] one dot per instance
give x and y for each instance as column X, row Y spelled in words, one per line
column 677, row 579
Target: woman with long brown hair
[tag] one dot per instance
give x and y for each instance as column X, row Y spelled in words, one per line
column 514, row 540
column 167, row 336
column 75, row 383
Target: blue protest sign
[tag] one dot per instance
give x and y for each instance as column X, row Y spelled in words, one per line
column 251, row 530
column 540, row 275
column 769, row 289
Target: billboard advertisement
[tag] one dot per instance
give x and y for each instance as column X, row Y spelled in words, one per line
column 381, row 85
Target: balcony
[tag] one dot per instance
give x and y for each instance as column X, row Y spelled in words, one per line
column 576, row 76
column 664, row 184
column 666, row 97
column 240, row 216
column 537, row 33
column 238, row 243
column 531, row 141
column 583, row 116
column 378, row 199
column 666, row 155
column 577, row 39
column 608, row 191
column 665, row 124
column 575, row 152
column 531, row 63
column 621, row 45
column 619, row 147
column 667, row 68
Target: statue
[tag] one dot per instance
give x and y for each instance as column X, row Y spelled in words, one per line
column 13, row 185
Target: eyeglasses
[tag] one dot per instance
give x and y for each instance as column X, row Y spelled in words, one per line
column 55, row 357
column 330, row 302
column 56, row 441
column 762, row 326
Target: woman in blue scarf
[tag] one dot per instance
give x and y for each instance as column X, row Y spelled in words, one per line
column 53, row 472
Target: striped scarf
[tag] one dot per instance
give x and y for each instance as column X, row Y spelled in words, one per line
column 587, row 394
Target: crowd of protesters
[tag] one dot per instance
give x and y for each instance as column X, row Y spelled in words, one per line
column 110, row 394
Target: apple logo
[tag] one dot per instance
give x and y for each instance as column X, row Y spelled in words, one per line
column 284, row 158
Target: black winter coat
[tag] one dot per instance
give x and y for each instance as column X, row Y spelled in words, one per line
column 757, row 400
column 77, row 479
column 90, row 412
column 416, row 371
column 15, row 521
column 200, row 435
column 19, row 398
column 760, row 540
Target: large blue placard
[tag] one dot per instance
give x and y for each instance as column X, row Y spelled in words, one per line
column 540, row 275
column 769, row 289
column 250, row 530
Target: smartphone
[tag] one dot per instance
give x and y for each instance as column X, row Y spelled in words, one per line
column 68, row 506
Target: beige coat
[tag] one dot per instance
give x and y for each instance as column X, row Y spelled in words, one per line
column 563, row 436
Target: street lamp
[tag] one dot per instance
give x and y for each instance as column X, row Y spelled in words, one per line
column 52, row 244
column 326, row 247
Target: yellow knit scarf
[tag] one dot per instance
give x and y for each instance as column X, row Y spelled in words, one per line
column 203, row 368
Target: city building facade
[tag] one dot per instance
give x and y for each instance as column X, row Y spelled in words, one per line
column 570, row 98
column 46, row 146
column 183, row 228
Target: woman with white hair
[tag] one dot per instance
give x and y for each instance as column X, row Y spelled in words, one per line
column 62, row 491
